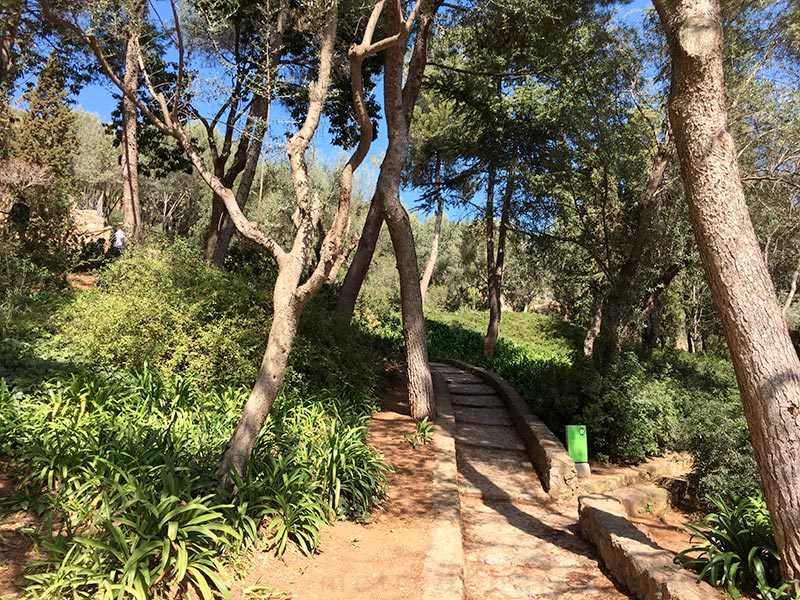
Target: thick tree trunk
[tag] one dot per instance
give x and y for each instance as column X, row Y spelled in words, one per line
column 398, row 107
column 495, row 261
column 10, row 17
column 766, row 365
column 437, row 230
column 131, row 211
column 594, row 329
column 218, row 214
column 354, row 279
column 286, row 314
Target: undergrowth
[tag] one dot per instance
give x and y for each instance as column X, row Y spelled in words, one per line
column 116, row 408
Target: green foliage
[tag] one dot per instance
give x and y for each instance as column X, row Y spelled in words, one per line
column 46, row 136
column 639, row 408
column 119, row 461
column 737, row 548
column 121, row 468
column 423, row 433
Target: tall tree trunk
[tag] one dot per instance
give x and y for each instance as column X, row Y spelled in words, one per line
column 607, row 343
column 131, row 211
column 594, row 329
column 10, row 17
column 286, row 314
column 437, row 230
column 495, row 260
column 766, row 365
column 399, row 104
column 354, row 279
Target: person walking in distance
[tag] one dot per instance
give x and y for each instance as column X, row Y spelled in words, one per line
column 119, row 241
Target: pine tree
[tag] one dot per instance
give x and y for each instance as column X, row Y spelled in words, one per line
column 46, row 135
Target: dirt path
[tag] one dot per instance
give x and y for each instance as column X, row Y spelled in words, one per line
column 380, row 560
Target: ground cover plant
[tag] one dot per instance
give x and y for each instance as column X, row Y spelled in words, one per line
column 736, row 548
column 117, row 453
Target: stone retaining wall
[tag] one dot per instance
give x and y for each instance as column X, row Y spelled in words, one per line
column 646, row 569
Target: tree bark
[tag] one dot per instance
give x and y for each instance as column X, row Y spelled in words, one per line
column 253, row 145
column 10, row 17
column 594, row 329
column 399, row 106
column 131, row 211
column 766, row 365
column 354, row 279
column 437, row 230
column 285, row 317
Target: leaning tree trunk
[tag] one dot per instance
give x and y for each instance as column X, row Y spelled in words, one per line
column 354, row 279
column 766, row 365
column 286, row 314
column 131, row 211
column 427, row 274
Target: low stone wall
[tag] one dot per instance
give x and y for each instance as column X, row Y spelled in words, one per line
column 547, row 454
column 646, row 569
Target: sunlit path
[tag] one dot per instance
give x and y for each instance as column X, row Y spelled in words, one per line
column 517, row 542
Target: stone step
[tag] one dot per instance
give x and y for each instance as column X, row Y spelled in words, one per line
column 482, row 415
column 471, row 389
column 488, row 436
column 477, row 401
column 461, row 378
column 494, row 474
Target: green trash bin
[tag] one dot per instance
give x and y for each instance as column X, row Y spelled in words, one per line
column 577, row 443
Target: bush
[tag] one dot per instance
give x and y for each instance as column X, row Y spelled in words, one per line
column 120, row 461
column 737, row 549
column 161, row 306
column 639, row 408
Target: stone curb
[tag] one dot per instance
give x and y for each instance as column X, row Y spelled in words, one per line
column 547, row 454
column 443, row 569
column 646, row 569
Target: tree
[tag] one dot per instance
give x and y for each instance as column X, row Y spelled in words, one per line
column 299, row 276
column 766, row 364
column 46, row 134
column 96, row 163
column 129, row 163
column 399, row 98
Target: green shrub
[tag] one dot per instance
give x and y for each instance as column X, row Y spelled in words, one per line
column 639, row 408
column 718, row 439
column 737, row 548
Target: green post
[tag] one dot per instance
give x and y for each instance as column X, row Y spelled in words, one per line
column 577, row 443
